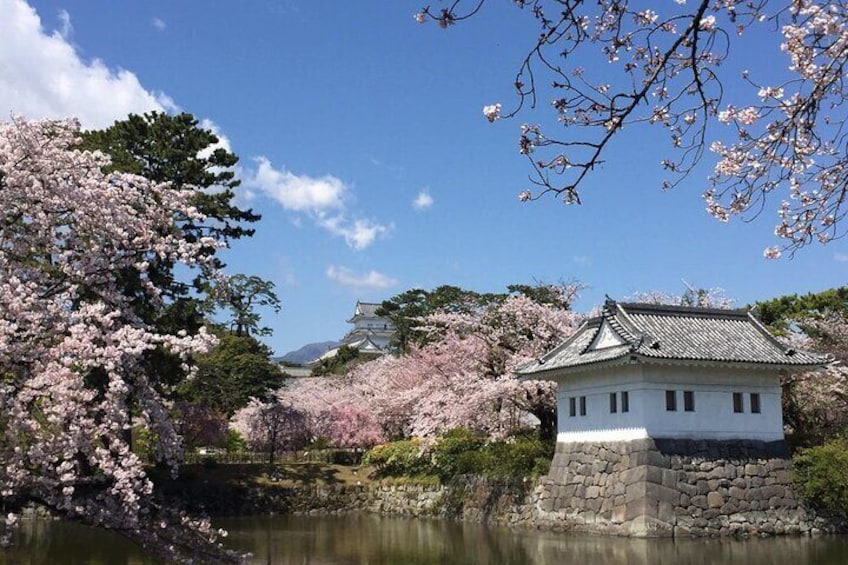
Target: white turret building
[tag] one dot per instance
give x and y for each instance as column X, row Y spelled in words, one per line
column 371, row 333
column 649, row 371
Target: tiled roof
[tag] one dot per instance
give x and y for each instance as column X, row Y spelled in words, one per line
column 648, row 332
column 366, row 309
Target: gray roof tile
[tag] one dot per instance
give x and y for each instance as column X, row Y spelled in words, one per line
column 671, row 333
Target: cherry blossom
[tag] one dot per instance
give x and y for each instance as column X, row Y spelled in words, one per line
column 492, row 112
column 816, row 402
column 693, row 297
column 351, row 426
column 778, row 150
column 462, row 377
column 271, row 427
column 71, row 345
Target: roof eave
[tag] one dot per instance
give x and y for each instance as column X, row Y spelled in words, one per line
column 545, row 374
column 630, row 357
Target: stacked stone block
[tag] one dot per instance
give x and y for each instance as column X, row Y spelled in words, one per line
column 668, row 487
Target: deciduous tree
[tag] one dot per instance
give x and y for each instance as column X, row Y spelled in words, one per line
column 72, row 343
column 460, row 376
column 781, row 148
column 815, row 403
column 177, row 149
column 271, row 427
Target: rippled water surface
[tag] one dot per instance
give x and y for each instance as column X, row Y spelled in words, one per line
column 370, row 539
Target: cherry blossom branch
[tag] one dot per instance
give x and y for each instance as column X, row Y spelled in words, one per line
column 792, row 142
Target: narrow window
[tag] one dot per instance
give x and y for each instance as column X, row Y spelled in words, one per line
column 572, row 407
column 688, row 401
column 737, row 403
column 613, row 403
column 755, row 402
column 625, row 401
column 582, row 405
column 671, row 400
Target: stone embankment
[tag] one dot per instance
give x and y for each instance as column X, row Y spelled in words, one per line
column 644, row 488
column 675, row 488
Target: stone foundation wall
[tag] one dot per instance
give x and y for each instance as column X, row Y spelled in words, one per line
column 674, row 488
column 642, row 488
column 470, row 499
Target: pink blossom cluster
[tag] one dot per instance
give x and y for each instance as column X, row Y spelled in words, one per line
column 461, row 378
column 798, row 145
column 664, row 66
column 71, row 346
column 817, row 401
column 271, row 426
column 305, row 410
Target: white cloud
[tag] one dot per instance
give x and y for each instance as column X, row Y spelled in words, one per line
column 66, row 28
column 841, row 257
column 299, row 193
column 159, row 24
column 358, row 234
column 322, row 198
column 370, row 280
column 422, row 201
column 44, row 77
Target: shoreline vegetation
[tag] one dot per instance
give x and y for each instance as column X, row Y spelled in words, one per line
column 450, row 480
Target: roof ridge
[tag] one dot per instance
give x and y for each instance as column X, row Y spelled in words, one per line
column 787, row 349
column 635, row 332
column 696, row 311
column 545, row 357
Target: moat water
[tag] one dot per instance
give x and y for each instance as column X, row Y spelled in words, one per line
column 369, row 539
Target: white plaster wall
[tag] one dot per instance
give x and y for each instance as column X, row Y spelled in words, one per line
column 713, row 417
column 598, row 424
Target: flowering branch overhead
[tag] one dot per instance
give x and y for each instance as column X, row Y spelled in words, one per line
column 789, row 144
column 72, row 346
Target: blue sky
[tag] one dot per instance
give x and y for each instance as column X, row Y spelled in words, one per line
column 363, row 146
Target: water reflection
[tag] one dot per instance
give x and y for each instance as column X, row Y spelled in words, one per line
column 360, row 540
column 44, row 542
column 370, row 539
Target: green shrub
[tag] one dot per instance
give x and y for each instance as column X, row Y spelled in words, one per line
column 474, row 462
column 143, row 441
column 346, row 457
column 821, row 476
column 462, row 452
column 523, row 455
column 235, row 442
column 209, row 461
column 318, row 443
column 450, row 447
column 398, row 458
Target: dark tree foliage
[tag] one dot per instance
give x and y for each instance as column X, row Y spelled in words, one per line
column 244, row 294
column 178, row 150
column 779, row 313
column 542, row 294
column 237, row 369
column 338, row 363
column 406, row 309
column 821, row 316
